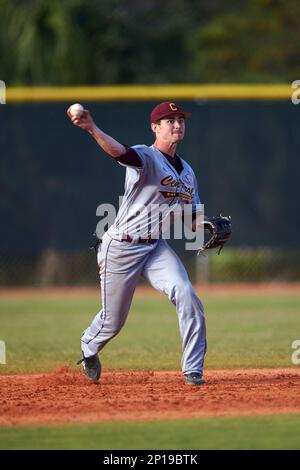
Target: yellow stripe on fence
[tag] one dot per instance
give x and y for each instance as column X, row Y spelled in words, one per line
column 148, row 92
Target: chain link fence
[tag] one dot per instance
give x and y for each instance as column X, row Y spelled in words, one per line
column 53, row 176
column 54, row 268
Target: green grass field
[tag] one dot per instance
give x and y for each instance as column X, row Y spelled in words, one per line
column 223, row 433
column 41, row 334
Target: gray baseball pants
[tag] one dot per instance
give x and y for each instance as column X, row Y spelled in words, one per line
column 121, row 265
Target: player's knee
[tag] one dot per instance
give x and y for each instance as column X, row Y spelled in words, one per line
column 184, row 293
column 184, row 290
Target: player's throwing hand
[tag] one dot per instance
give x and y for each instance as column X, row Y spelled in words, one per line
column 84, row 120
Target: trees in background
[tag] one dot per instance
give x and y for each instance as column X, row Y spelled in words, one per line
column 65, row 42
column 257, row 44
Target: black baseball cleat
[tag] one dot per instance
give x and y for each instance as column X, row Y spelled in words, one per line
column 194, row 378
column 92, row 367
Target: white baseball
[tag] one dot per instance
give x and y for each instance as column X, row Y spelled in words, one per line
column 76, row 110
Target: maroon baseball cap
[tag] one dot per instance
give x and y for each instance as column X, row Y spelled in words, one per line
column 165, row 109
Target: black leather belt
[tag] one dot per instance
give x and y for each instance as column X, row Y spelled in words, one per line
column 127, row 238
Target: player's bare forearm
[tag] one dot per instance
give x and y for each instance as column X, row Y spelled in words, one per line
column 85, row 121
column 107, row 143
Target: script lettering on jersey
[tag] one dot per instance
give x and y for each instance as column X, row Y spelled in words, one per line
column 169, row 181
column 186, row 192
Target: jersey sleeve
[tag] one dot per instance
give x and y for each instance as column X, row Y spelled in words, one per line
column 130, row 158
column 144, row 154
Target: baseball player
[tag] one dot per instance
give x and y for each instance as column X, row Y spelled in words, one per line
column 155, row 176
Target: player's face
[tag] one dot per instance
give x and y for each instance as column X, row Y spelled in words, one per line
column 170, row 129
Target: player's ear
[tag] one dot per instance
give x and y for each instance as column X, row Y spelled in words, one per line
column 154, row 126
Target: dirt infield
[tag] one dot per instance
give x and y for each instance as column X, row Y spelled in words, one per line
column 276, row 288
column 67, row 397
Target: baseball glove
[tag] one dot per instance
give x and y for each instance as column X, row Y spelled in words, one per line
column 220, row 232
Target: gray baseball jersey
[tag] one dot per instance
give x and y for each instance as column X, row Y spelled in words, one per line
column 152, row 193
column 122, row 263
